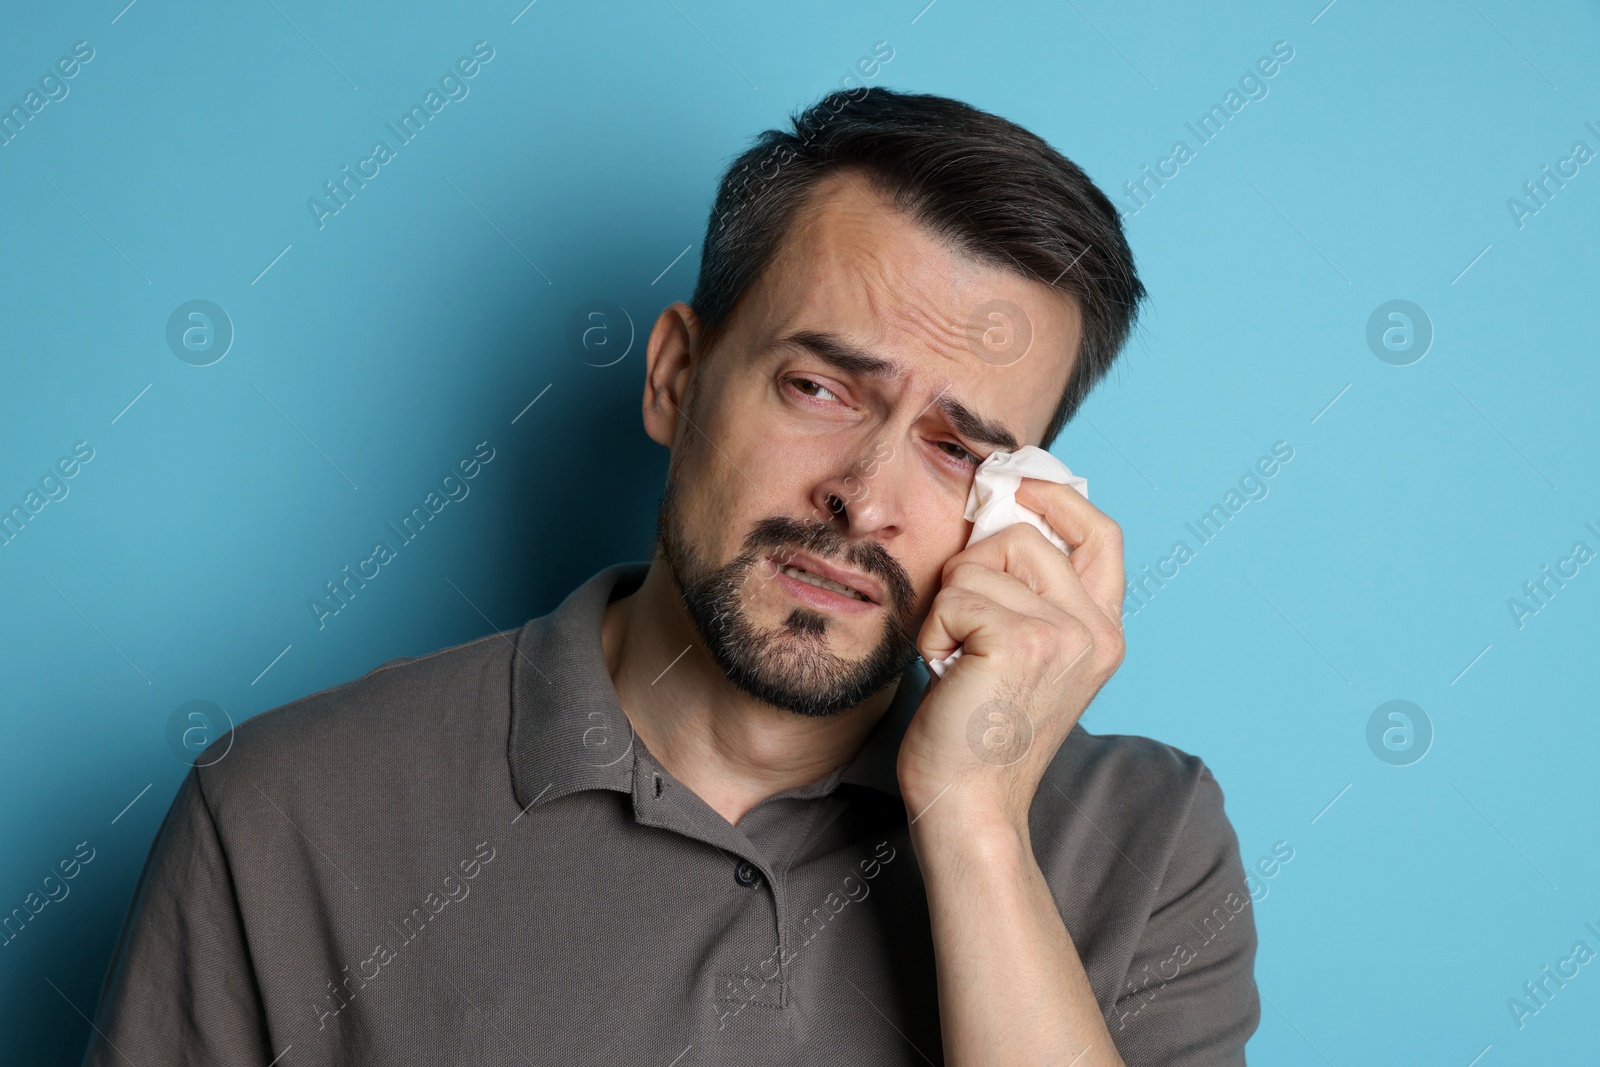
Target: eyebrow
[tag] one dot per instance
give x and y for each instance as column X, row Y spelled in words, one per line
column 849, row 359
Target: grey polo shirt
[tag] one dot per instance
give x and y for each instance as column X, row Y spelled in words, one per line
column 468, row 857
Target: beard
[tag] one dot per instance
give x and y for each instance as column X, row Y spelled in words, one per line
column 790, row 666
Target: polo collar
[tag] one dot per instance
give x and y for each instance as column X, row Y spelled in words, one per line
column 569, row 732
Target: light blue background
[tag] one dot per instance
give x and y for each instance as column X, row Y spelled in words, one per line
column 431, row 311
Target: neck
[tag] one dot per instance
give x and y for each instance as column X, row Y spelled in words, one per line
column 733, row 750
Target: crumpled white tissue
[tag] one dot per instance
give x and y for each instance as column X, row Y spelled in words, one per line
column 992, row 504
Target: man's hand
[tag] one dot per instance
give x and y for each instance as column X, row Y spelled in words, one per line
column 1042, row 633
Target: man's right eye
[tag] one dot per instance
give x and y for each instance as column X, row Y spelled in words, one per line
column 814, row 385
column 965, row 458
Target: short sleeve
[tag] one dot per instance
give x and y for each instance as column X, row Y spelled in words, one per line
column 1191, row 998
column 180, row 989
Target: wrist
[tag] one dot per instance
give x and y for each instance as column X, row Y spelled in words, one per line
column 968, row 828
column 971, row 802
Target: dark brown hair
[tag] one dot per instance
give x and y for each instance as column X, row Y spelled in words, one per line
column 984, row 184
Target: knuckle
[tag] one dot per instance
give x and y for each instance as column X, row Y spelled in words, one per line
column 1077, row 640
column 963, row 573
column 1027, row 531
column 1113, row 647
column 951, row 595
column 1038, row 639
column 1012, row 531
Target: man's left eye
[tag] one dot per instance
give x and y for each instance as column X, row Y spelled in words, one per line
column 965, row 457
column 807, row 381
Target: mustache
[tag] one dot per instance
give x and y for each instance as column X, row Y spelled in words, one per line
column 778, row 532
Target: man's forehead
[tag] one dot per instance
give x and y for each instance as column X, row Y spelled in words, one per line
column 855, row 269
column 849, row 236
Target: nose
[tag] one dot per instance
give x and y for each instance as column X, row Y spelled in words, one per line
column 862, row 498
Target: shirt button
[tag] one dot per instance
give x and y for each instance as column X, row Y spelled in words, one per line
column 746, row 874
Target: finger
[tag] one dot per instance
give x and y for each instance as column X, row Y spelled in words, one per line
column 1094, row 537
column 1071, row 631
column 962, row 617
column 1043, row 649
column 1021, row 550
column 1022, row 570
column 1004, row 588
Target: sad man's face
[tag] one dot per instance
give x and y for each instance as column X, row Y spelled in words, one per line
column 836, row 429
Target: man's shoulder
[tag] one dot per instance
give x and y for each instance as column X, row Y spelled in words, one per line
column 405, row 711
column 1130, row 818
column 1147, row 761
column 1129, row 780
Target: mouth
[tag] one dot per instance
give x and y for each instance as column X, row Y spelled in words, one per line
column 821, row 575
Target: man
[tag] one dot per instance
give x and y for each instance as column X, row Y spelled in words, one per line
column 712, row 810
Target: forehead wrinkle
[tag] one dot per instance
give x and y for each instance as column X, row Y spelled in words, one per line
column 848, row 248
column 939, row 333
column 944, row 337
column 847, row 245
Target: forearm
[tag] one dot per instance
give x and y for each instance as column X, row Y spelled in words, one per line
column 1012, row 990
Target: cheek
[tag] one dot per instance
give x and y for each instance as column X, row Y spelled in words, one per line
column 937, row 527
column 711, row 499
column 718, row 505
column 943, row 537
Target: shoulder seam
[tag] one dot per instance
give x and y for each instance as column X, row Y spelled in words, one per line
column 233, row 892
column 404, row 660
column 399, row 661
column 1201, row 770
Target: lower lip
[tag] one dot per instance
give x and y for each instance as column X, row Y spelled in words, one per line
column 818, row 597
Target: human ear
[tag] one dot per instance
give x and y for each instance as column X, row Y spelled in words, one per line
column 671, row 357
